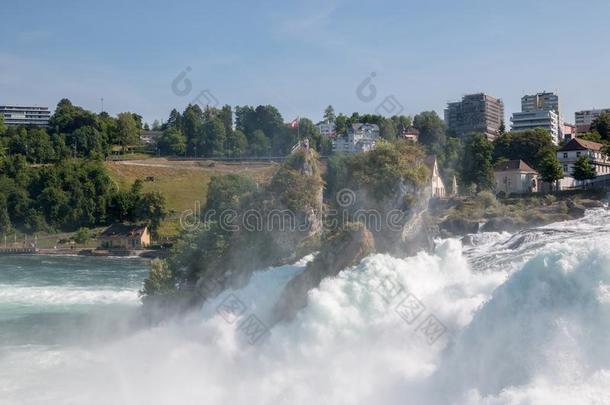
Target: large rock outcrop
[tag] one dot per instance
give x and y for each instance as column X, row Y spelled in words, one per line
column 388, row 191
column 343, row 249
column 277, row 223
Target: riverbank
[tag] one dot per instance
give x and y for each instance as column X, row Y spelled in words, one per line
column 145, row 254
column 485, row 213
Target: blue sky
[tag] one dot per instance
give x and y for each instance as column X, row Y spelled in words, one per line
column 302, row 56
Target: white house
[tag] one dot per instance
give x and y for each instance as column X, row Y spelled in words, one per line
column 359, row 138
column 326, row 129
column 515, row 177
column 569, row 154
column 436, row 182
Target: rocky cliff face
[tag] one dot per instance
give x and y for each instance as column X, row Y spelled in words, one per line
column 397, row 221
column 276, row 224
column 381, row 209
column 273, row 225
column 340, row 250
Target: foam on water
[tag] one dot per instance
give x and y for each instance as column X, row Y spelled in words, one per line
column 55, row 295
column 531, row 328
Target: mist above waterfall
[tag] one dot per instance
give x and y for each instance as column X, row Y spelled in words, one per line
column 533, row 329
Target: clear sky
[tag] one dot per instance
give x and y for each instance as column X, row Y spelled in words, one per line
column 302, row 56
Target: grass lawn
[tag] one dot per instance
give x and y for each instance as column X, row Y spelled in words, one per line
column 183, row 184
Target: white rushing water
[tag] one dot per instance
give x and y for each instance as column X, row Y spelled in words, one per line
column 514, row 319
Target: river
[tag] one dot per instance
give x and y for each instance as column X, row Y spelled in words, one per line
column 508, row 319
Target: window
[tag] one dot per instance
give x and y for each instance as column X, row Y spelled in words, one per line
column 565, row 155
column 565, row 168
column 577, row 154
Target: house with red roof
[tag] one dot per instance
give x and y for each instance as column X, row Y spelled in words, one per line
column 573, row 150
column 515, row 177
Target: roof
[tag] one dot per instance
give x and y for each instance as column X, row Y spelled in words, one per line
column 123, row 231
column 513, row 165
column 581, row 144
column 411, row 131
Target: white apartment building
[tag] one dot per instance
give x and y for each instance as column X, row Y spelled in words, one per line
column 548, row 120
column 584, row 119
column 576, row 148
column 359, row 138
column 21, row 115
column 545, row 101
column 539, row 110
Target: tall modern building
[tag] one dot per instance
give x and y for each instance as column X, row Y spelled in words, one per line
column 17, row 115
column 544, row 101
column 584, row 119
column 475, row 113
column 539, row 111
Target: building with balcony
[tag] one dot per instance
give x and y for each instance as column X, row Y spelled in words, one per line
column 539, row 110
column 326, row 129
column 475, row 113
column 544, row 101
column 29, row 116
column 548, row 120
column 570, row 152
column 359, row 138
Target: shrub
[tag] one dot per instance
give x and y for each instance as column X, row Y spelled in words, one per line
column 486, row 199
column 549, row 199
column 82, row 236
column 160, row 280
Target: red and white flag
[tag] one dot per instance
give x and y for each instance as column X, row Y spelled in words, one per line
column 295, row 123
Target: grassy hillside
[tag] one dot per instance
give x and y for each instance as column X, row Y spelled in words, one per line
column 182, row 183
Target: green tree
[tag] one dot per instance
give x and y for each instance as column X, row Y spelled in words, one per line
column 237, row 144
column 82, row 236
column 601, row 125
column 213, row 138
column 329, row 114
column 341, row 124
column 87, row 141
column 151, row 209
column 431, row 128
column 260, row 145
column 388, row 130
column 225, row 115
column 67, row 118
column 531, row 146
column 2, row 126
column 5, row 219
column 401, row 122
column 502, row 129
column 591, row 136
column 583, row 169
column 172, row 141
column 225, row 192
column 174, row 120
column 550, row 169
column 191, row 123
column 477, row 165
column 128, row 130
column 160, row 280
